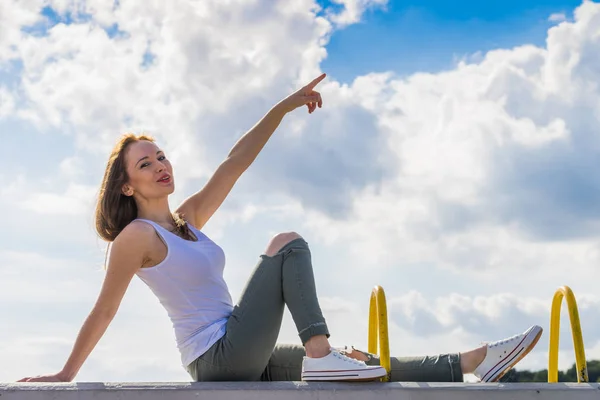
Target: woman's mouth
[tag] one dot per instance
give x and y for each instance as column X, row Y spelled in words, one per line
column 165, row 179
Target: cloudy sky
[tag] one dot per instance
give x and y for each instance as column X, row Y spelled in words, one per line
column 454, row 162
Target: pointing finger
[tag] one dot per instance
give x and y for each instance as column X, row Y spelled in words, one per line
column 315, row 82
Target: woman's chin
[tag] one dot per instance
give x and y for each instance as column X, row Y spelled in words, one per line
column 164, row 191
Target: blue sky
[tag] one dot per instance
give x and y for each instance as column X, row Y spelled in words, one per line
column 429, row 35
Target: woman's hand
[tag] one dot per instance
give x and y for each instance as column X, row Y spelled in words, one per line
column 305, row 96
column 46, row 378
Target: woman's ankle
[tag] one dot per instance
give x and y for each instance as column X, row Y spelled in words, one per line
column 317, row 346
column 470, row 360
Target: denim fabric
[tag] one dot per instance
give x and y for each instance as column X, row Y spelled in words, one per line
column 285, row 364
column 252, row 330
column 248, row 351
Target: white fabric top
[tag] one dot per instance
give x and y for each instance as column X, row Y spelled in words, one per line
column 189, row 284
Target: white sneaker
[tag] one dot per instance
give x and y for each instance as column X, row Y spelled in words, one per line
column 504, row 354
column 343, row 349
column 338, row 367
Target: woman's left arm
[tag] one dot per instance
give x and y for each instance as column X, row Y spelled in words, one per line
column 198, row 208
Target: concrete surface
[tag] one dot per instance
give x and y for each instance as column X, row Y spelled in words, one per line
column 298, row 390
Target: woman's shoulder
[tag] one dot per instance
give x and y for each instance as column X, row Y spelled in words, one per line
column 132, row 246
column 137, row 232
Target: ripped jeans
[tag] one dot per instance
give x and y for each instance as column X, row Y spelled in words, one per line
column 248, row 350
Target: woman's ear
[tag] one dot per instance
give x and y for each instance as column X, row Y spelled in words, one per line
column 127, row 190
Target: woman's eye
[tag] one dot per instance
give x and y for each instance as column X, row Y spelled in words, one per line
column 162, row 158
column 144, row 165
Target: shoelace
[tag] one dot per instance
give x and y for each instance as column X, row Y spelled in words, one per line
column 347, row 359
column 504, row 341
column 343, row 350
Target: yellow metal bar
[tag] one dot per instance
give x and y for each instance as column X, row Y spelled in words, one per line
column 378, row 328
column 373, row 322
column 580, row 361
column 554, row 337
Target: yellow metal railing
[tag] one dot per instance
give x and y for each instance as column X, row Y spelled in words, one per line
column 378, row 329
column 582, row 373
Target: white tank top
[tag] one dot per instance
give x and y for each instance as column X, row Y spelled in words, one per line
column 189, row 284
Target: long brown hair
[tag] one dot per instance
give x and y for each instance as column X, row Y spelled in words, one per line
column 115, row 210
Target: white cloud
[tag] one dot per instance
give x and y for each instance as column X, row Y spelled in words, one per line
column 14, row 14
column 7, row 103
column 76, row 200
column 35, row 277
column 557, row 17
column 353, row 10
column 71, row 167
column 487, row 163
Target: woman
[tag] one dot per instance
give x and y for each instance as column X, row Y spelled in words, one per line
column 184, row 268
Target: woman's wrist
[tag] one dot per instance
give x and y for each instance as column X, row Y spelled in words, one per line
column 65, row 376
column 281, row 108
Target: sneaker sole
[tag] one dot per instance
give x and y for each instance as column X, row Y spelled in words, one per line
column 362, row 375
column 521, row 351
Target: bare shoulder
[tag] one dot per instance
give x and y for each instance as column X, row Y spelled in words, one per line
column 133, row 245
column 136, row 234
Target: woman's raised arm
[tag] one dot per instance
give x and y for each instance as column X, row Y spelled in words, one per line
column 198, row 208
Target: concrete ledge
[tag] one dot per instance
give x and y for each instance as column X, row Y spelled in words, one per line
column 298, row 390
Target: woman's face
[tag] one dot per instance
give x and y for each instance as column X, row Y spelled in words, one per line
column 150, row 173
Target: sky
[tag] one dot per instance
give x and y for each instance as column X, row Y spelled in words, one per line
column 453, row 163
column 439, row 32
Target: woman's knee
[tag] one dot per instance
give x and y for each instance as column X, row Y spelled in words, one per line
column 279, row 241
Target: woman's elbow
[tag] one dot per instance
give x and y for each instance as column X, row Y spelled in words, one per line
column 104, row 312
